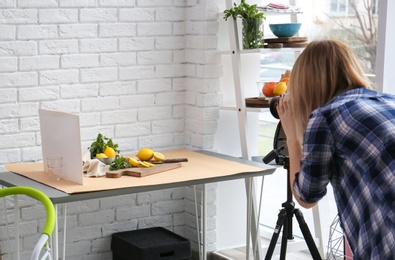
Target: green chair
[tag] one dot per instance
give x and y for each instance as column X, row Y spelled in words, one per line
column 42, row 246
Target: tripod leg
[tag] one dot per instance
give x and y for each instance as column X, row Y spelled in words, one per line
column 280, row 222
column 284, row 240
column 307, row 235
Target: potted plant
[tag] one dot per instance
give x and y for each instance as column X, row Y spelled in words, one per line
column 252, row 20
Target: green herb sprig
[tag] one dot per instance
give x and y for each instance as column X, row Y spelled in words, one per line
column 119, row 163
column 100, row 144
column 243, row 10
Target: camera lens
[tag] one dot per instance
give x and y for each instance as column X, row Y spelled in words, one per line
column 273, row 107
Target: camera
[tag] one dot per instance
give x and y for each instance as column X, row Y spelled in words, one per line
column 273, row 107
column 280, row 151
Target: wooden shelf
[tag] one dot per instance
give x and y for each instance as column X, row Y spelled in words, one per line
column 257, row 102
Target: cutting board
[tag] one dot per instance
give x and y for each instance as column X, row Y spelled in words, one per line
column 257, row 102
column 142, row 171
column 286, row 40
column 295, row 44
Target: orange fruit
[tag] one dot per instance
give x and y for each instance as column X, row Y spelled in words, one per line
column 285, row 80
column 268, row 88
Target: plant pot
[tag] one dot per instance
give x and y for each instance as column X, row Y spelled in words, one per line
column 252, row 33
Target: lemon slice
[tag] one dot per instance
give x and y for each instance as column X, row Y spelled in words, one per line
column 145, row 164
column 150, row 164
column 134, row 162
column 158, row 156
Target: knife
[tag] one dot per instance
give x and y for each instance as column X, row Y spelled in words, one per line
column 173, row 160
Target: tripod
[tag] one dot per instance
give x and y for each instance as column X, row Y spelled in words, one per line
column 285, row 219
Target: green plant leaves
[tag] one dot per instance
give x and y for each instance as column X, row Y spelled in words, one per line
column 100, row 144
column 120, row 163
column 243, row 10
column 252, row 34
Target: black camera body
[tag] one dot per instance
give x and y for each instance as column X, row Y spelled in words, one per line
column 280, row 144
column 273, row 107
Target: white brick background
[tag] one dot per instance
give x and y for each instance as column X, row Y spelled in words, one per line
column 142, row 72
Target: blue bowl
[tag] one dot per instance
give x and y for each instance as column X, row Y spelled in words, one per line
column 283, row 30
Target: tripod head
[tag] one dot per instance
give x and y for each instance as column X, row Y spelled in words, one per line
column 280, row 147
column 275, row 154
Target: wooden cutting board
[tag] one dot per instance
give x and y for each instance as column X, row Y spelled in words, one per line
column 285, row 40
column 142, row 171
column 295, row 44
column 257, row 102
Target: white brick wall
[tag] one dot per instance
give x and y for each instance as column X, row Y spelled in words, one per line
column 142, row 72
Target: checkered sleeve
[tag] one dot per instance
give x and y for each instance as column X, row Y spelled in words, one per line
column 310, row 184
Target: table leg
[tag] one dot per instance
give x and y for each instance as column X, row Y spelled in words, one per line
column 202, row 226
column 17, row 238
column 64, row 230
column 199, row 240
column 204, row 215
column 253, row 217
column 55, row 235
column 249, row 207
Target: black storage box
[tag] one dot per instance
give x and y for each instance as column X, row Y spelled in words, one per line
column 150, row 244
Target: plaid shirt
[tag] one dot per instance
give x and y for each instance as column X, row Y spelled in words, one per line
column 350, row 142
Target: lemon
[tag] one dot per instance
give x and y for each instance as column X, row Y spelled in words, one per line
column 145, row 154
column 280, row 89
column 110, row 152
column 101, row 155
column 158, row 156
column 134, row 162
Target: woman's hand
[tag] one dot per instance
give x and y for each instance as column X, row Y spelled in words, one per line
column 286, row 117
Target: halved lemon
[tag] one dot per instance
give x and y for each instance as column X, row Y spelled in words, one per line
column 158, row 156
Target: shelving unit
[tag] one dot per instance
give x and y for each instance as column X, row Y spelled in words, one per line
column 236, row 52
column 241, row 109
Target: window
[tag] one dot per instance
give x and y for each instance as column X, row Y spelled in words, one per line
column 340, row 7
column 343, row 7
column 358, row 29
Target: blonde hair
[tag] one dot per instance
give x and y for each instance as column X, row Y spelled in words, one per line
column 322, row 71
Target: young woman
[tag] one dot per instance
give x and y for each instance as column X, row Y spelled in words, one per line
column 341, row 131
